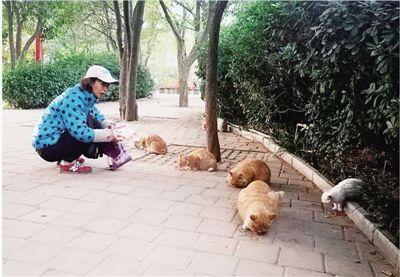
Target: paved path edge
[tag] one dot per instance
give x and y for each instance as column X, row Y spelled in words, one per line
column 356, row 213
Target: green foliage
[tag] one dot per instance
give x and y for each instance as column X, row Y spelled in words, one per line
column 35, row 86
column 333, row 65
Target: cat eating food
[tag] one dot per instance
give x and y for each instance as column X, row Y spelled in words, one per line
column 247, row 171
column 199, row 159
column 153, row 144
column 347, row 189
column 257, row 206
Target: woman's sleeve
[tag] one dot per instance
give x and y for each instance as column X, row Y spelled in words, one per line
column 98, row 115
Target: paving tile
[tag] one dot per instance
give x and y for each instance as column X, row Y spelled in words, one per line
column 73, row 220
column 154, row 270
column 369, row 252
column 177, row 238
column 42, row 216
column 130, row 248
column 353, row 234
column 105, row 225
column 92, row 241
column 145, row 192
column 87, row 208
column 324, row 230
column 56, row 235
column 99, row 196
column 170, row 257
column 149, row 217
column 215, row 244
column 217, row 265
column 346, row 267
column 299, row 204
column 13, row 211
column 29, row 199
column 304, row 259
column 294, row 240
column 185, row 208
column 13, row 268
column 10, row 244
column 21, row 229
column 155, row 204
column 76, row 261
column 183, row 222
column 118, row 212
column 117, row 266
column 334, row 247
column 126, row 200
column 252, row 250
column 218, row 213
column 383, row 269
column 35, row 253
column 252, row 268
column 295, row 272
column 217, row 227
column 295, row 213
column 59, row 204
column 334, row 220
column 144, row 232
column 122, row 189
column 202, row 200
column 190, row 189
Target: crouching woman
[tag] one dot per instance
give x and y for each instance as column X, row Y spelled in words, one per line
column 72, row 126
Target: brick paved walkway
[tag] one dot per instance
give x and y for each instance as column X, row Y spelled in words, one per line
column 148, row 218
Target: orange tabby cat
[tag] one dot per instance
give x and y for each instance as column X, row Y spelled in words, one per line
column 247, row 171
column 199, row 159
column 153, row 144
column 257, row 206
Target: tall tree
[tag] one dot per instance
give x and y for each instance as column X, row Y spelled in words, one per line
column 211, row 81
column 185, row 61
column 32, row 18
column 130, row 22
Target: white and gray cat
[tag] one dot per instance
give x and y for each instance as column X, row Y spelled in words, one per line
column 347, row 189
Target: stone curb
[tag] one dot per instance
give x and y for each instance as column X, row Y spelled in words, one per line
column 356, row 213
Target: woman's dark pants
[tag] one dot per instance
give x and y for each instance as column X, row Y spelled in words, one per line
column 69, row 149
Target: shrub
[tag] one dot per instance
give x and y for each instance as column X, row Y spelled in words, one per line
column 331, row 65
column 35, row 86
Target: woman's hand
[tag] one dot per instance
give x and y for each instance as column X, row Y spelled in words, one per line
column 116, row 138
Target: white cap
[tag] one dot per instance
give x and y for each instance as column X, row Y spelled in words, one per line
column 101, row 73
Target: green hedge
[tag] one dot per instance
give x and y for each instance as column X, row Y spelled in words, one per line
column 333, row 65
column 35, row 86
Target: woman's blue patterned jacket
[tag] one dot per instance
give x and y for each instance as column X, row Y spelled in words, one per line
column 67, row 113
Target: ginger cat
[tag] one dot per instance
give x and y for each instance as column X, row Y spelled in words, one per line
column 199, row 159
column 257, row 206
column 246, row 171
column 153, row 144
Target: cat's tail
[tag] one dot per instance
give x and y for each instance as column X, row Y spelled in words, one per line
column 281, row 194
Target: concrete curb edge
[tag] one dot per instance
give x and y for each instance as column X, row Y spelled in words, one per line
column 356, row 213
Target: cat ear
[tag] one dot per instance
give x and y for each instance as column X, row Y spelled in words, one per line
column 272, row 216
column 230, row 172
column 253, row 217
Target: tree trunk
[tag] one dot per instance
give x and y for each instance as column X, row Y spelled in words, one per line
column 10, row 19
column 18, row 34
column 38, row 31
column 123, row 84
column 211, row 85
column 119, row 28
column 131, row 106
column 185, row 61
column 183, row 73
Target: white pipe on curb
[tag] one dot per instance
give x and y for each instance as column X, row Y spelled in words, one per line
column 354, row 211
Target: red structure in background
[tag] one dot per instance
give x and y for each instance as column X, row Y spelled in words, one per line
column 38, row 49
